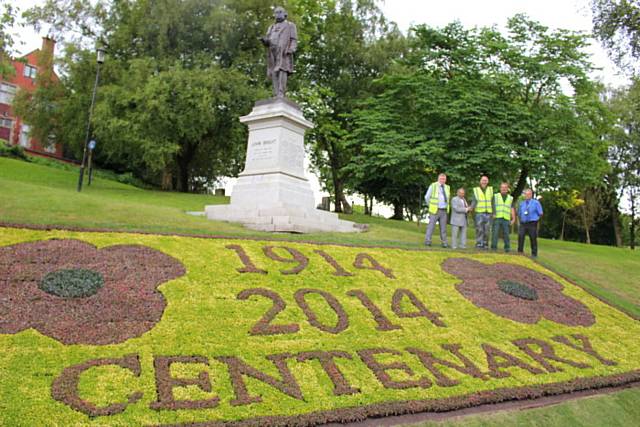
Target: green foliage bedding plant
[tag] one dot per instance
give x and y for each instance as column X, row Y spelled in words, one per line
column 518, row 290
column 318, row 332
column 72, row 283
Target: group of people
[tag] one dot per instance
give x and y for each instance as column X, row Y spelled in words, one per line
column 493, row 213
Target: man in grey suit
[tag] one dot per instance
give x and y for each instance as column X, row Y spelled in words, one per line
column 459, row 208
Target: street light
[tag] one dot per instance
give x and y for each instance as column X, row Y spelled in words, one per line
column 100, row 57
column 92, row 146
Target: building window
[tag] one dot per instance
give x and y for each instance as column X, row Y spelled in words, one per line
column 24, row 136
column 50, row 146
column 30, row 71
column 7, row 92
column 6, row 130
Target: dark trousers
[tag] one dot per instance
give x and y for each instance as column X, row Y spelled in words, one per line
column 504, row 225
column 528, row 229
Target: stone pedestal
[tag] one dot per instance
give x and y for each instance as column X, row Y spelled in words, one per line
column 272, row 193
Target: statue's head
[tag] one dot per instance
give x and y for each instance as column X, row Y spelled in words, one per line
column 280, row 14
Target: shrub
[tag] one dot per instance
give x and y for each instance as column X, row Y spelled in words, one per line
column 13, row 151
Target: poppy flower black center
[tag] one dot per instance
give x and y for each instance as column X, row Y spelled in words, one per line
column 72, row 283
column 518, row 290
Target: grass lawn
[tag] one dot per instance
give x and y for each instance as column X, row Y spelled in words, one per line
column 617, row 409
column 36, row 194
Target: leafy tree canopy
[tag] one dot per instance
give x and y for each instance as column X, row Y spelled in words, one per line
column 473, row 102
column 617, row 25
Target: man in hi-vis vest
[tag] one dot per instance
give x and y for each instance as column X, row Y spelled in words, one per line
column 438, row 197
column 482, row 205
column 504, row 216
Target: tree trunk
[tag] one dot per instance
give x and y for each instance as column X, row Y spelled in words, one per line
column 346, row 207
column 366, row 205
column 183, row 179
column 585, row 224
column 564, row 219
column 338, row 191
column 167, row 179
column 370, row 206
column 632, row 226
column 419, row 208
column 613, row 202
column 183, row 161
column 338, row 183
column 398, row 211
column 521, row 184
column 615, row 220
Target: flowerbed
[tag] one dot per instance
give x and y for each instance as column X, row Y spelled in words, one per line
column 129, row 329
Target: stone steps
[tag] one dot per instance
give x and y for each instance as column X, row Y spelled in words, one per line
column 282, row 219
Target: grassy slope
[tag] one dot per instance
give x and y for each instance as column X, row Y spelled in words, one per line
column 41, row 195
column 617, row 409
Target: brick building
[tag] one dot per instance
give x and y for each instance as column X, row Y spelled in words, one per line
column 12, row 128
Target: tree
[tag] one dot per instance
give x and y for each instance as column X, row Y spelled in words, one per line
column 392, row 159
column 624, row 153
column 568, row 201
column 181, row 122
column 476, row 102
column 171, row 90
column 591, row 210
column 345, row 45
column 8, row 15
column 616, row 23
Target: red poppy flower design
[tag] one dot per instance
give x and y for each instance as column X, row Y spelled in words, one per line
column 77, row 294
column 517, row 293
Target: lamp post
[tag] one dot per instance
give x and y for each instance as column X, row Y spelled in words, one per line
column 92, row 146
column 100, row 54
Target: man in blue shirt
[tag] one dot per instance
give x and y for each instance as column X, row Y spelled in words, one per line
column 529, row 213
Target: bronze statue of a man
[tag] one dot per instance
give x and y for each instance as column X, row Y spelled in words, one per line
column 281, row 42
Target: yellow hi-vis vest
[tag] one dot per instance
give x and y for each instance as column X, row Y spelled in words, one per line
column 484, row 199
column 433, row 201
column 503, row 207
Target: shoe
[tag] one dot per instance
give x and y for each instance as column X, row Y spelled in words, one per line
column 427, row 244
column 444, row 245
column 478, row 246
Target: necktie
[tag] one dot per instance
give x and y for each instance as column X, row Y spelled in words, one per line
column 444, row 194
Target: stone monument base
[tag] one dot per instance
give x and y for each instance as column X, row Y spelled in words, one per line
column 272, row 193
column 282, row 218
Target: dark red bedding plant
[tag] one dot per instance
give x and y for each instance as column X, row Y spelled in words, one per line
column 77, row 294
column 517, row 293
